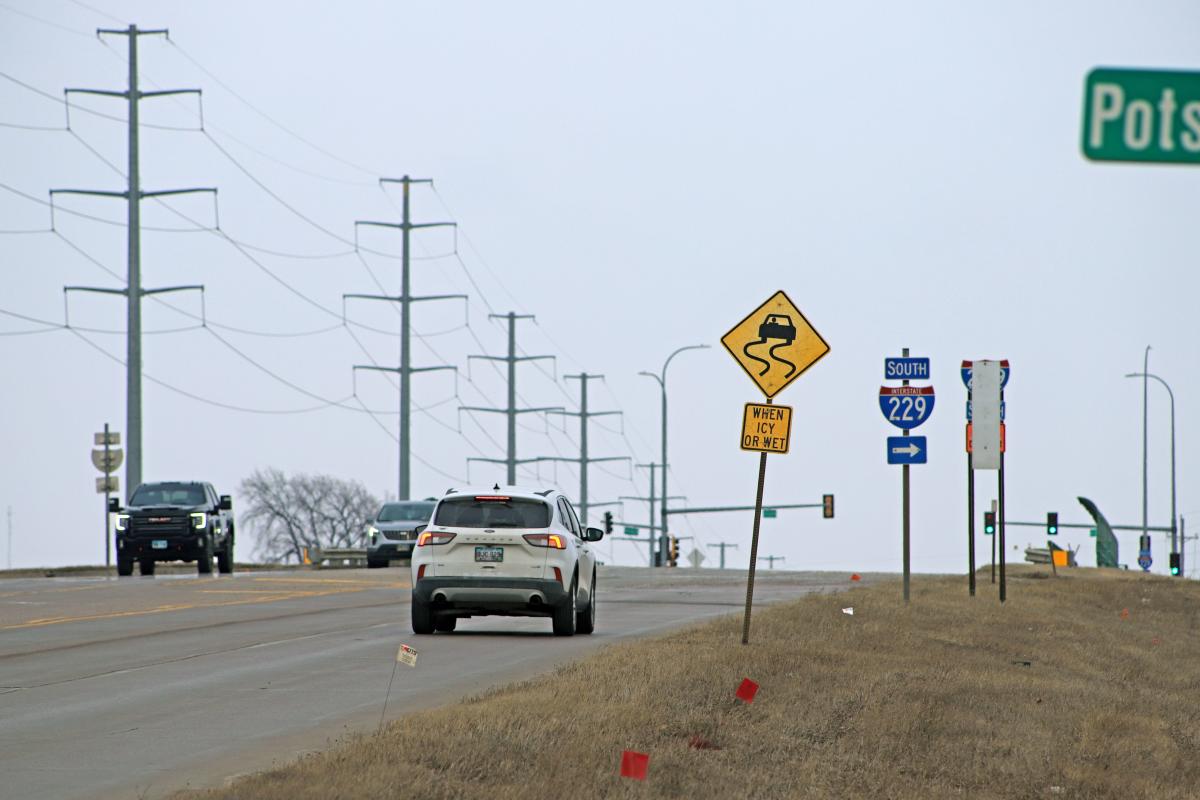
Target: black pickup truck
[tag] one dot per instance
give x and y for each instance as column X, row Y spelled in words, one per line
column 175, row 521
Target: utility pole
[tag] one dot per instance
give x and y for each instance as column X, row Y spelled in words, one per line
column 8, row 561
column 651, row 499
column 511, row 411
column 584, row 459
column 133, row 290
column 723, row 545
column 772, row 559
column 405, row 299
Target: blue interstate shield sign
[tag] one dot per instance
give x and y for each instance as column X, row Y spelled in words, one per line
column 906, row 406
column 965, row 371
column 906, row 450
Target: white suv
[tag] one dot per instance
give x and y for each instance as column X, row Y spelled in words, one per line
column 511, row 552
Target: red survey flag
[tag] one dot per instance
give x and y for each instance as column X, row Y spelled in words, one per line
column 747, row 690
column 634, row 765
column 855, row 577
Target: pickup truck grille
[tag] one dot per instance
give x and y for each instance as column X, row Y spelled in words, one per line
column 160, row 525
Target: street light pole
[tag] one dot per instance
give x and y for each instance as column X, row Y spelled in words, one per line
column 1144, row 376
column 662, row 384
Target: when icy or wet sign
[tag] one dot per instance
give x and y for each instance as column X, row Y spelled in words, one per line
column 775, row 344
column 766, row 428
column 406, row 655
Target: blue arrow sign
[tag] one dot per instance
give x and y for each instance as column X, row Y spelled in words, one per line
column 906, row 369
column 906, row 406
column 965, row 371
column 1002, row 405
column 906, row 450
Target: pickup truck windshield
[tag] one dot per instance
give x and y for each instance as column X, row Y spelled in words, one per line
column 405, row 512
column 168, row 494
column 509, row 512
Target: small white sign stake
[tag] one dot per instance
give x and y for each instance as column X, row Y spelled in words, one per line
column 849, row 611
column 406, row 655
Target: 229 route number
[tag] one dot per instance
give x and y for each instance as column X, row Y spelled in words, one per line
column 906, row 407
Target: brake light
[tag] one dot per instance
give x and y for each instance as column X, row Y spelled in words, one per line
column 553, row 540
column 493, row 498
column 434, row 537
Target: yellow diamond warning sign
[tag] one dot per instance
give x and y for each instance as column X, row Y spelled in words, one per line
column 775, row 344
column 766, row 428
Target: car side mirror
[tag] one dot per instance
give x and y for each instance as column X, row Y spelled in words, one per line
column 226, row 503
column 114, row 504
column 593, row 534
column 420, row 529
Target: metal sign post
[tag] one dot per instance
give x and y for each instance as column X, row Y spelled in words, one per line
column 906, row 407
column 774, row 344
column 107, row 461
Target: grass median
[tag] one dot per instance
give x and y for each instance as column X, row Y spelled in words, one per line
column 1081, row 686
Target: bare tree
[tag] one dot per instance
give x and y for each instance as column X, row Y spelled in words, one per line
column 287, row 514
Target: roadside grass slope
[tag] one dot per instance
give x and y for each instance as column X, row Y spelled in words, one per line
column 1055, row 694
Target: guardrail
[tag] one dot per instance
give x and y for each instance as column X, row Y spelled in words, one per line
column 322, row 558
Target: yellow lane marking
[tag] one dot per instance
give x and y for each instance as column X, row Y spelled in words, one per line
column 38, row 623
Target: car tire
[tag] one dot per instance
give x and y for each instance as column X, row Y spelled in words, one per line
column 205, row 559
column 422, row 617
column 124, row 567
column 445, row 624
column 225, row 557
column 585, row 620
column 146, row 567
column 566, row 613
column 376, row 563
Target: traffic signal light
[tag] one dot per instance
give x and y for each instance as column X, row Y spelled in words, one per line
column 989, row 523
column 608, row 523
column 674, row 551
column 1052, row 523
column 1175, row 563
column 827, row 506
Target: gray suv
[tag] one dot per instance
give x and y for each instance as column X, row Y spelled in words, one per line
column 393, row 532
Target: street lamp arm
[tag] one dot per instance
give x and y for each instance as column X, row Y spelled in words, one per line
column 1160, row 380
column 667, row 363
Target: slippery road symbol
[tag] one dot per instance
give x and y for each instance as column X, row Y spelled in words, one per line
column 775, row 326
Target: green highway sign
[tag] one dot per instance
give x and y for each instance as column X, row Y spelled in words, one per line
column 769, row 513
column 1142, row 115
column 631, row 531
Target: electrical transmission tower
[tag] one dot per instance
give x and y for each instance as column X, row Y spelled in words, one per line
column 405, row 299
column 511, row 411
column 772, row 559
column 133, row 290
column 651, row 500
column 584, row 458
column 723, row 546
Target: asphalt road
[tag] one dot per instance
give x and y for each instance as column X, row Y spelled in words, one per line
column 141, row 686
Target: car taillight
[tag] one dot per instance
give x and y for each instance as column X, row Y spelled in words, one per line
column 434, row 537
column 421, row 572
column 558, row 575
column 554, row 540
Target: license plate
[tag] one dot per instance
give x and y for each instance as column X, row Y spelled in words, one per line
column 491, row 554
column 159, row 544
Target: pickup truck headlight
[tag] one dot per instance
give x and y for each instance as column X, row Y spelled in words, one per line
column 122, row 521
column 199, row 520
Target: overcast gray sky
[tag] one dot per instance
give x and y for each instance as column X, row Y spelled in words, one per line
column 640, row 176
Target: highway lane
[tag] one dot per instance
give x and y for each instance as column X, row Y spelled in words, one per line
column 139, row 687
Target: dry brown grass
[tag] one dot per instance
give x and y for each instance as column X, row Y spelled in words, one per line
column 929, row 701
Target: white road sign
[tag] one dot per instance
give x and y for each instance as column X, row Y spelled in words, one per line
column 985, row 412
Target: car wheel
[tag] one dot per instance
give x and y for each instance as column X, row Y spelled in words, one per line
column 376, row 563
column 422, row 618
column 124, row 567
column 225, row 557
column 585, row 621
column 204, row 561
column 445, row 624
column 566, row 613
column 146, row 567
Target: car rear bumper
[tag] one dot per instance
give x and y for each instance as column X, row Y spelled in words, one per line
column 512, row 596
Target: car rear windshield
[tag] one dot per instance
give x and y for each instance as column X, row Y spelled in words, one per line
column 404, row 512
column 507, row 512
column 168, row 494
